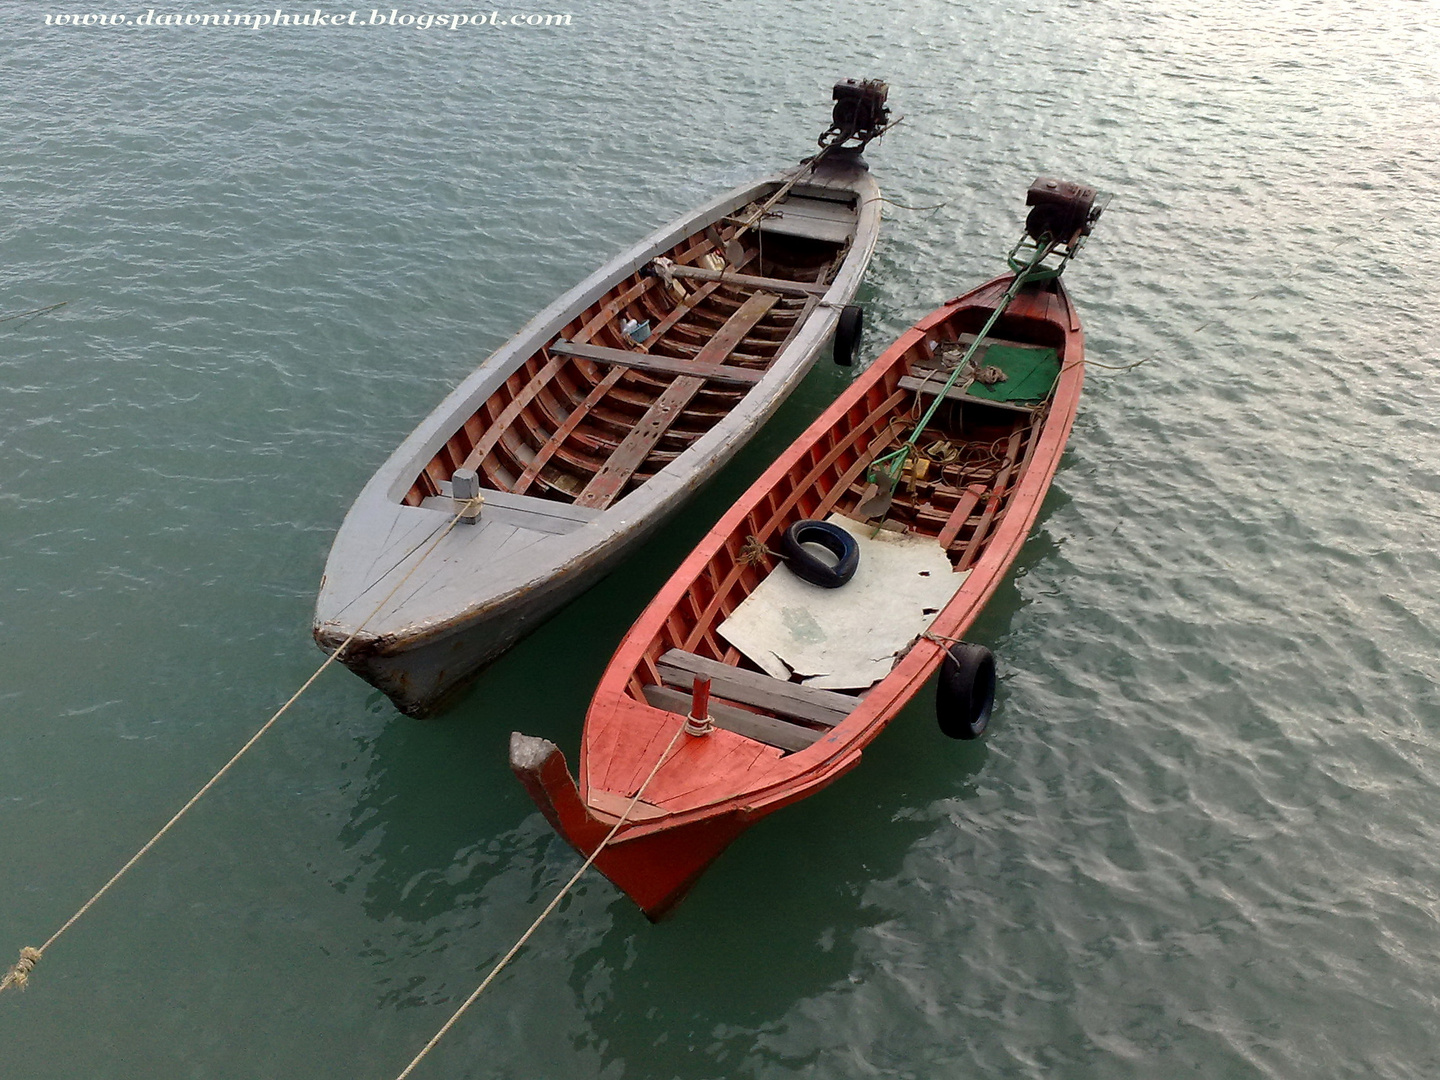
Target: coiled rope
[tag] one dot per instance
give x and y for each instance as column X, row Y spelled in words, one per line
column 19, row 975
column 664, row 757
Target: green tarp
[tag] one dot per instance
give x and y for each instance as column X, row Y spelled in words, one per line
column 1030, row 374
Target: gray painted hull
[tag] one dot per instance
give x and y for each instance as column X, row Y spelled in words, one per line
column 429, row 608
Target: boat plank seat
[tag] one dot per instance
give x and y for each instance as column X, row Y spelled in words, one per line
column 679, row 669
column 931, row 386
column 766, row 729
column 664, row 365
column 605, row 486
column 969, row 339
column 750, row 281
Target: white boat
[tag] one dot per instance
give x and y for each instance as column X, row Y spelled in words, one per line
column 596, row 421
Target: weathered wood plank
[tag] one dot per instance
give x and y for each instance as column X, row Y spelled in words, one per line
column 931, row 387
column 727, row 339
column 765, row 729
column 679, row 668
column 665, row 365
column 963, row 509
column 607, row 484
column 751, row 281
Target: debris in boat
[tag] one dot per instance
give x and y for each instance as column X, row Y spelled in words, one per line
column 942, row 452
column 845, row 639
column 754, row 552
column 797, row 543
column 665, row 269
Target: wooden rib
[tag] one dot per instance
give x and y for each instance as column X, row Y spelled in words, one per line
column 511, row 411
column 609, row 310
column 546, row 452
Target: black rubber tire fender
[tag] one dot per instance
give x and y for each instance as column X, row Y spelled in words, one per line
column 965, row 695
column 808, row 566
column 847, row 333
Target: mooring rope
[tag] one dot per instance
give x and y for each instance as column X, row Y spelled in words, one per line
column 664, row 757
column 11, row 316
column 19, row 975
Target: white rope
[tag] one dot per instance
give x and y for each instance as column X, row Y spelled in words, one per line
column 664, row 757
column 19, row 974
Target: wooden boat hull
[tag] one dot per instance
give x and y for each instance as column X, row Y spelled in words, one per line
column 654, row 869
column 780, row 741
column 537, row 418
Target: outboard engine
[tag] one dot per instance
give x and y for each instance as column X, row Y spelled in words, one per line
column 859, row 115
column 1062, row 211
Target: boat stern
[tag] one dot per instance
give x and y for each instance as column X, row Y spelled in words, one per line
column 654, row 861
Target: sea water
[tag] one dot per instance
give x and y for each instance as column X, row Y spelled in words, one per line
column 1200, row 837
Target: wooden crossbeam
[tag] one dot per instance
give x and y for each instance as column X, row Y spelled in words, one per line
column 766, row 729
column 613, row 307
column 751, row 281
column 665, row 365
column 679, row 668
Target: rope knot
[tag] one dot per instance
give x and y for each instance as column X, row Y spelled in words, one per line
column 754, row 551
column 19, row 975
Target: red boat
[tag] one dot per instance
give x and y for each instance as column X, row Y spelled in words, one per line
column 763, row 669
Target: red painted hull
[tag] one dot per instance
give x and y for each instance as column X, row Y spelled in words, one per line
column 710, row 789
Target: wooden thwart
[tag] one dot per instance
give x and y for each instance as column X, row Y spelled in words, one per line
column 750, row 281
column 679, row 668
column 931, row 386
column 772, row 732
column 665, row 365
